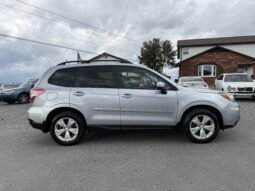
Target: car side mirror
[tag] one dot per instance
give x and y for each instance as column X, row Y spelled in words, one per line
column 162, row 87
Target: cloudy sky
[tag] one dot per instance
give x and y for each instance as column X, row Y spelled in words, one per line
column 113, row 26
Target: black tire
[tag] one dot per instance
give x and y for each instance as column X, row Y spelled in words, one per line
column 23, row 98
column 187, row 125
column 80, row 124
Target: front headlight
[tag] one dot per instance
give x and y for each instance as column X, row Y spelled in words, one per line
column 227, row 96
column 231, row 89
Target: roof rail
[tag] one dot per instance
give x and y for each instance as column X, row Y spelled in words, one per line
column 88, row 61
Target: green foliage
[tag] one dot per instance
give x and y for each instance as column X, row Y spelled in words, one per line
column 156, row 54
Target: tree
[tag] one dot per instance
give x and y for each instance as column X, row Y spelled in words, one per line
column 156, row 54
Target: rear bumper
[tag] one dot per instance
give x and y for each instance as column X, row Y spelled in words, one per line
column 40, row 126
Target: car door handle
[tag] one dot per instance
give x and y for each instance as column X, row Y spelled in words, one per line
column 126, row 95
column 78, row 93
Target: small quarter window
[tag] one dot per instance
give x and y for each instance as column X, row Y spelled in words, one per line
column 63, row 77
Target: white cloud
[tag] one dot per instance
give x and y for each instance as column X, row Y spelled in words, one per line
column 139, row 20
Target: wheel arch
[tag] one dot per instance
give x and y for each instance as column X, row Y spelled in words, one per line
column 54, row 112
column 210, row 108
column 23, row 93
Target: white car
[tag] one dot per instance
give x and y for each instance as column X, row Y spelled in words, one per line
column 238, row 84
column 192, row 82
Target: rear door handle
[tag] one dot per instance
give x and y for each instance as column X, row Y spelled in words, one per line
column 126, row 95
column 78, row 93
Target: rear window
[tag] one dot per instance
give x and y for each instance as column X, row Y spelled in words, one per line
column 192, row 79
column 96, row 77
column 63, row 77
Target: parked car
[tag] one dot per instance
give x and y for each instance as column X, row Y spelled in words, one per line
column 192, row 82
column 238, row 84
column 70, row 99
column 8, row 86
column 20, row 94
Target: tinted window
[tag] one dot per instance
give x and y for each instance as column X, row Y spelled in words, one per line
column 138, row 78
column 96, row 77
column 220, row 77
column 238, row 78
column 64, row 77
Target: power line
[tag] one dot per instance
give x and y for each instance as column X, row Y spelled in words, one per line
column 42, row 31
column 26, row 12
column 77, row 22
column 39, row 16
column 45, row 43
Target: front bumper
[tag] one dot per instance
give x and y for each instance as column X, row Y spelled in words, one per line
column 243, row 94
column 231, row 115
column 7, row 97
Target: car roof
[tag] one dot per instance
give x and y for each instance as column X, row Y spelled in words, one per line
column 191, row 77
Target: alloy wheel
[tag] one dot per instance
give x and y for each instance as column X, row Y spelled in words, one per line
column 202, row 127
column 66, row 129
column 23, row 98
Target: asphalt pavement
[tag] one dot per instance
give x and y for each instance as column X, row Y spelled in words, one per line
column 143, row 160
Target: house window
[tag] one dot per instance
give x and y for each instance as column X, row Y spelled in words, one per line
column 207, row 70
column 185, row 51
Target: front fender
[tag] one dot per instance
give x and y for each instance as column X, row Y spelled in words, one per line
column 183, row 109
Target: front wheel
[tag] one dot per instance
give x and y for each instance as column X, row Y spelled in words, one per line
column 67, row 128
column 201, row 125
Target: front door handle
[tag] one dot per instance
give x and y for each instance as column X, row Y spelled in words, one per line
column 126, row 95
column 78, row 93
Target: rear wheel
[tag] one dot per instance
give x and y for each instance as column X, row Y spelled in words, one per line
column 201, row 125
column 67, row 128
column 23, row 98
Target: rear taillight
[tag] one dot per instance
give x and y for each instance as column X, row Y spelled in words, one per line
column 35, row 93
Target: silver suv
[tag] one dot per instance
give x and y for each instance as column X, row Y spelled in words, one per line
column 70, row 99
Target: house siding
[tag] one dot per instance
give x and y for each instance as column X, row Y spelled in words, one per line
column 247, row 49
column 227, row 62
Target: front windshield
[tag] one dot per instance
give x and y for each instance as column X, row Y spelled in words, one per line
column 238, row 78
column 192, row 79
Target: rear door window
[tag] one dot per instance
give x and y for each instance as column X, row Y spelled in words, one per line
column 96, row 77
column 64, row 77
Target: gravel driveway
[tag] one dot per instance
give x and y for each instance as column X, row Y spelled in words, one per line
column 154, row 160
